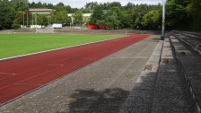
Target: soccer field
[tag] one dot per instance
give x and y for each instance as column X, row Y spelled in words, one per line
column 21, row 44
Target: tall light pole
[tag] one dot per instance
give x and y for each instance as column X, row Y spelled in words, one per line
column 23, row 20
column 163, row 21
column 27, row 12
column 36, row 21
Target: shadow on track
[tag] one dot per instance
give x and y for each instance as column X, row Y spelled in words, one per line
column 91, row 101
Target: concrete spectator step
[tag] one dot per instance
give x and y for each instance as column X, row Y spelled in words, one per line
column 171, row 94
column 191, row 70
column 160, row 88
column 191, row 39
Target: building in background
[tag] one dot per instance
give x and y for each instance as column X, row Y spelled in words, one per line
column 44, row 11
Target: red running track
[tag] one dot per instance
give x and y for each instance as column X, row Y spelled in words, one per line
column 21, row 75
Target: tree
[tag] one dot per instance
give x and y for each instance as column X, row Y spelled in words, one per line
column 59, row 15
column 176, row 14
column 97, row 15
column 6, row 15
column 91, row 5
column 129, row 5
column 20, row 5
column 42, row 20
column 60, row 6
column 68, row 9
column 78, row 17
column 115, row 15
column 193, row 10
column 115, row 4
column 85, row 11
column 142, row 9
column 40, row 5
column 137, row 21
column 112, row 21
column 112, row 18
column 126, row 19
column 151, row 20
column 19, row 17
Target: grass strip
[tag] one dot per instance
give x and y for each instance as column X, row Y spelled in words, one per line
column 20, row 44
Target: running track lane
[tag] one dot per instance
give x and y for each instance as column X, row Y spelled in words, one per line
column 21, row 75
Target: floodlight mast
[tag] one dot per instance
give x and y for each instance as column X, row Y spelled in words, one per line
column 23, row 20
column 36, row 21
column 163, row 21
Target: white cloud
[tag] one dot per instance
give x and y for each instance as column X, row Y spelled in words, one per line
column 82, row 3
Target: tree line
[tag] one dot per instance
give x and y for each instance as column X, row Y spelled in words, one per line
column 141, row 16
column 184, row 15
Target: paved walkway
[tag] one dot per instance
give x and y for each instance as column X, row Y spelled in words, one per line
column 101, row 87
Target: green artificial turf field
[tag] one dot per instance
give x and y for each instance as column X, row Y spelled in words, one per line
column 20, row 44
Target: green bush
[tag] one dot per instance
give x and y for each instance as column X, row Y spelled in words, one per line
column 16, row 26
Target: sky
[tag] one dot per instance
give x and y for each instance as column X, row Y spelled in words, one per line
column 82, row 3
